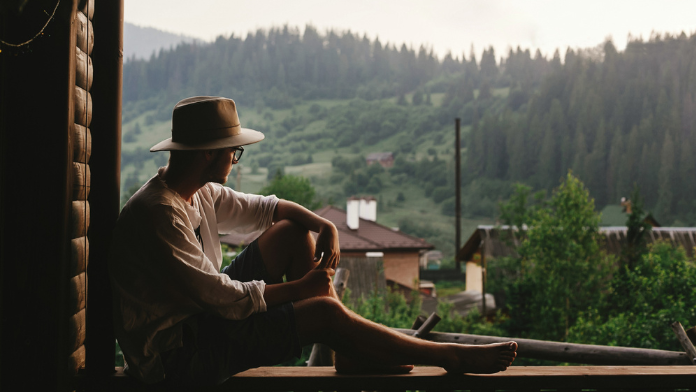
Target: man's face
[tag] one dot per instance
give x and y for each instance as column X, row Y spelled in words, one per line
column 221, row 166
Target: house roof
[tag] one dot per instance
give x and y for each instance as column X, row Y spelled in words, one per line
column 370, row 236
column 499, row 246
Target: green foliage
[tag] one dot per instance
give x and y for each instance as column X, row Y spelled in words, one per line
column 561, row 269
column 293, row 188
column 519, row 210
column 393, row 310
column 472, row 323
column 642, row 302
column 638, row 228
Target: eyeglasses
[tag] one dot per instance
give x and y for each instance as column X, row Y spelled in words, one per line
column 238, row 151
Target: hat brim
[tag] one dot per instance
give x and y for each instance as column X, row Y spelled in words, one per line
column 247, row 136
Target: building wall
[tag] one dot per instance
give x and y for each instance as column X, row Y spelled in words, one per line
column 401, row 267
column 473, row 276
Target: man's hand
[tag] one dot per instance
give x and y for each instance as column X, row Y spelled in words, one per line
column 317, row 283
column 328, row 250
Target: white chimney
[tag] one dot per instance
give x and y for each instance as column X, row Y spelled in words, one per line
column 368, row 208
column 352, row 213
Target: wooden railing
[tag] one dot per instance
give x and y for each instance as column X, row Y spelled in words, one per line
column 516, row 378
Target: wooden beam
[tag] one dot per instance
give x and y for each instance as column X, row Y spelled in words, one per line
column 568, row 352
column 77, row 293
column 684, row 341
column 83, row 107
column 427, row 326
column 79, row 255
column 85, row 32
column 76, row 330
column 80, row 218
column 323, row 378
column 84, row 71
column 81, row 178
column 76, row 360
column 82, row 144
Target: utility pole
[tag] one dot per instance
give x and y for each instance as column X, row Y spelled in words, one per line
column 458, row 193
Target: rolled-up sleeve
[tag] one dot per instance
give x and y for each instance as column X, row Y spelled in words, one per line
column 185, row 269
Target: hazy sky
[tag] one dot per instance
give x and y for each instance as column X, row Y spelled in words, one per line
column 444, row 25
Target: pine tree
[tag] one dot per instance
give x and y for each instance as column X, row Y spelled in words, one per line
column 667, row 177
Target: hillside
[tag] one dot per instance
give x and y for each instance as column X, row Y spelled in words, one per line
column 142, row 42
column 326, row 101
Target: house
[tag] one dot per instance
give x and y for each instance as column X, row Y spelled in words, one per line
column 360, row 235
column 386, row 159
column 490, row 242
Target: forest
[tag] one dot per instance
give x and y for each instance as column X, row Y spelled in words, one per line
column 615, row 118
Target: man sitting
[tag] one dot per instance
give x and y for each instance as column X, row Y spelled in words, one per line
column 176, row 316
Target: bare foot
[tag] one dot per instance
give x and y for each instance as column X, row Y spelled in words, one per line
column 488, row 358
column 347, row 366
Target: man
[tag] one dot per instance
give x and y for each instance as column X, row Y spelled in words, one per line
column 178, row 318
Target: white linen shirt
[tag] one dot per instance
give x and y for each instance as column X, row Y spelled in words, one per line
column 161, row 276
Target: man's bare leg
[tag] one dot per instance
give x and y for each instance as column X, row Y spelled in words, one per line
column 288, row 249
column 324, row 320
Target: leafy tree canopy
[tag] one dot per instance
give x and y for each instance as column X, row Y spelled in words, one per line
column 293, row 188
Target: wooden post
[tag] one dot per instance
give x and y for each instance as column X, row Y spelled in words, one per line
column 105, row 187
column 427, row 326
column 483, row 280
column 457, row 193
column 322, row 355
column 685, row 342
column 691, row 333
column 418, row 322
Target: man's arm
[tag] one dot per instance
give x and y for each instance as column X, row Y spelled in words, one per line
column 327, row 240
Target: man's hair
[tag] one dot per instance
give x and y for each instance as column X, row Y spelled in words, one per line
column 182, row 156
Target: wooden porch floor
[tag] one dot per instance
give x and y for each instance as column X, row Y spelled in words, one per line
column 527, row 378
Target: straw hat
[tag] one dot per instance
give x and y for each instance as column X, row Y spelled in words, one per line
column 206, row 123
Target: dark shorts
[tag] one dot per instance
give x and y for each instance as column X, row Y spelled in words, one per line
column 215, row 348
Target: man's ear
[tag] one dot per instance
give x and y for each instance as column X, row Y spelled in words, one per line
column 210, row 155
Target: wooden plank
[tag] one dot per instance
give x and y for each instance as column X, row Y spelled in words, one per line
column 84, row 71
column 684, row 341
column 82, row 144
column 77, row 293
column 87, row 8
column 568, row 352
column 79, row 255
column 76, row 360
column 81, row 181
column 79, row 224
column 85, row 33
column 83, row 106
column 548, row 377
column 77, row 330
column 528, row 378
